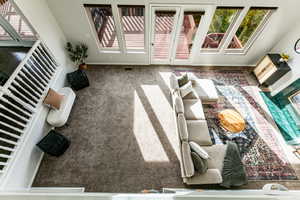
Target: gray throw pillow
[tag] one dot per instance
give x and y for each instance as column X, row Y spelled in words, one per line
column 184, row 79
column 200, row 164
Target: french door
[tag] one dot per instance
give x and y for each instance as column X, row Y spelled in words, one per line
column 176, row 33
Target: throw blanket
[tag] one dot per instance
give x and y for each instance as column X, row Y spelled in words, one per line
column 233, row 172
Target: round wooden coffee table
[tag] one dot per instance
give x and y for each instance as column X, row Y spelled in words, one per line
column 231, row 121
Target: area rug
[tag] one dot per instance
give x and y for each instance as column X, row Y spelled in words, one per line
column 261, row 151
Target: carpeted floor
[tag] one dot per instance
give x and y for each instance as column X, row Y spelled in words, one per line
column 122, row 134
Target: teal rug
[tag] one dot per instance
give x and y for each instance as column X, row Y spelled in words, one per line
column 284, row 116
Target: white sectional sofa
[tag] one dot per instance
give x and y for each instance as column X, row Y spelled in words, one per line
column 191, row 125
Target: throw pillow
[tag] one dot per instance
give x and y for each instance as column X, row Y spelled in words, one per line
column 182, row 127
column 178, row 103
column 186, row 89
column 200, row 164
column 53, row 99
column 199, row 150
column 174, row 82
column 184, row 79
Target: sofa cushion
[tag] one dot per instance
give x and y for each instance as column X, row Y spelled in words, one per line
column 182, row 80
column 200, row 164
column 178, row 103
column 182, row 127
column 206, row 90
column 173, row 82
column 193, row 109
column 216, row 154
column 191, row 95
column 198, row 132
column 186, row 89
column 187, row 159
column 212, row 176
column 199, row 150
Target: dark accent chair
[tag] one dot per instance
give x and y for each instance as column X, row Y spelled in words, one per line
column 54, row 144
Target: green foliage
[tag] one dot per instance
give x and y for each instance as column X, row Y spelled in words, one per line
column 223, row 17
column 250, row 24
column 221, row 20
column 77, row 53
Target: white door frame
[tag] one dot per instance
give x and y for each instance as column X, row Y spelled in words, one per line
column 200, row 34
column 154, row 8
column 178, row 21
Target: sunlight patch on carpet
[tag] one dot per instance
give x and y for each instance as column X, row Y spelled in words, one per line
column 145, row 134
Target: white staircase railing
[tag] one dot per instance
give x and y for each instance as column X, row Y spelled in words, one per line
column 20, row 98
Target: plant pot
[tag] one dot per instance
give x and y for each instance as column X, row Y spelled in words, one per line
column 83, row 66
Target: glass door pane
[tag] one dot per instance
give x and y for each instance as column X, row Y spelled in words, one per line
column 188, row 30
column 4, row 36
column 16, row 21
column 102, row 18
column 133, row 25
column 163, row 33
column 248, row 27
column 222, row 19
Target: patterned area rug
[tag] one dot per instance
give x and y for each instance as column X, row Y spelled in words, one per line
column 262, row 153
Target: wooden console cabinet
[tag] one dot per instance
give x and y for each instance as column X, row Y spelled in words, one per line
column 269, row 69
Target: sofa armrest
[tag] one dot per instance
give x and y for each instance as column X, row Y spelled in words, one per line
column 212, row 176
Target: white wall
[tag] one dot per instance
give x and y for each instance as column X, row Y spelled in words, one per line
column 25, row 165
column 74, row 22
column 286, row 45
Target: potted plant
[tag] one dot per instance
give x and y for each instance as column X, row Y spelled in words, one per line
column 284, row 57
column 78, row 54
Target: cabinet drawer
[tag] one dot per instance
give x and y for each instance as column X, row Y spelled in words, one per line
column 262, row 65
column 268, row 71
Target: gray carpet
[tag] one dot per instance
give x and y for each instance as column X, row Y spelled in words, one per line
column 122, row 135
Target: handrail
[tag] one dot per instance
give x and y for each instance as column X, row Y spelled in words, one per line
column 21, row 98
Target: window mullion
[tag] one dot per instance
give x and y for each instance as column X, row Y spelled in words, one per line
column 178, row 21
column 9, row 29
column 202, row 31
column 118, row 26
column 234, row 28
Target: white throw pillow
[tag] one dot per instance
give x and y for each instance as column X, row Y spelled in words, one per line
column 178, row 103
column 173, row 82
column 186, row 89
column 199, row 150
